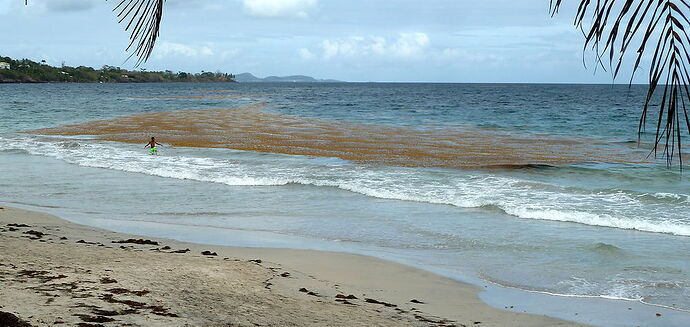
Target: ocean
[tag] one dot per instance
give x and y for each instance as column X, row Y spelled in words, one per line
column 310, row 169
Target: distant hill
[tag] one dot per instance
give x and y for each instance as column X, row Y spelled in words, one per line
column 249, row 78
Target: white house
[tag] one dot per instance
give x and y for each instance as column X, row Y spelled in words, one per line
column 4, row 65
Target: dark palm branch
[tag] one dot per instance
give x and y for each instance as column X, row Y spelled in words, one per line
column 655, row 28
column 143, row 18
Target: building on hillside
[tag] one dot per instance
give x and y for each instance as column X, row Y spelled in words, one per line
column 4, row 65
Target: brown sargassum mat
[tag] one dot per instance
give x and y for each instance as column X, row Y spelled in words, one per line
column 252, row 129
column 197, row 97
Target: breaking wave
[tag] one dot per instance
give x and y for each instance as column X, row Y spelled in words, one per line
column 526, row 199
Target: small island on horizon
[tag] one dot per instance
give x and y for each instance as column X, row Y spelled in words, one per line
column 250, row 78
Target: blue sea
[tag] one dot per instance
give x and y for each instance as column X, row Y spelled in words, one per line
column 597, row 242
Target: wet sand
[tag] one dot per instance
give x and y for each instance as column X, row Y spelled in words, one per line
column 253, row 129
column 57, row 273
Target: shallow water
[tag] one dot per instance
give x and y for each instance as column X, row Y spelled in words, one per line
column 592, row 229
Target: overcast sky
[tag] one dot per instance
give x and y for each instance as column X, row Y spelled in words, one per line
column 354, row 40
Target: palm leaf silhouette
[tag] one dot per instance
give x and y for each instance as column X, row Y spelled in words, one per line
column 612, row 28
column 143, row 18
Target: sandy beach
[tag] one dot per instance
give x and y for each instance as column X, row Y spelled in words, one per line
column 54, row 273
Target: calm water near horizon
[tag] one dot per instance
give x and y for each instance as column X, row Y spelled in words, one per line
column 594, row 230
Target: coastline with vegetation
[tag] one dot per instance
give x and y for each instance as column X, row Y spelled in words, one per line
column 28, row 71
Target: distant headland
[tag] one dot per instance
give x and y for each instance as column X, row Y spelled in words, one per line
column 28, row 71
column 249, row 78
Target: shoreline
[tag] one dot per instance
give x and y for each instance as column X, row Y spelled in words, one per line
column 105, row 82
column 269, row 280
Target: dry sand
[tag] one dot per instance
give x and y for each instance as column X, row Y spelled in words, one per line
column 57, row 273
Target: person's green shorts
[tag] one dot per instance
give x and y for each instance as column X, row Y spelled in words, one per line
column 153, row 150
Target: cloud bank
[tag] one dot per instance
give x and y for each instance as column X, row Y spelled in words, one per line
column 165, row 49
column 69, row 5
column 405, row 45
column 279, row 8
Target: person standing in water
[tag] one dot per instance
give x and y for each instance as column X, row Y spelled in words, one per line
column 153, row 144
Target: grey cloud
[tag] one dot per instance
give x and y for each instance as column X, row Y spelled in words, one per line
column 69, row 5
column 196, row 4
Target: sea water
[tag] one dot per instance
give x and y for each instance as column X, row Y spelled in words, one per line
column 592, row 231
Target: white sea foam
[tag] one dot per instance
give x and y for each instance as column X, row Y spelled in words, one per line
column 515, row 196
column 591, row 290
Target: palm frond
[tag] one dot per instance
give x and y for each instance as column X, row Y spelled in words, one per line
column 143, row 18
column 651, row 27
